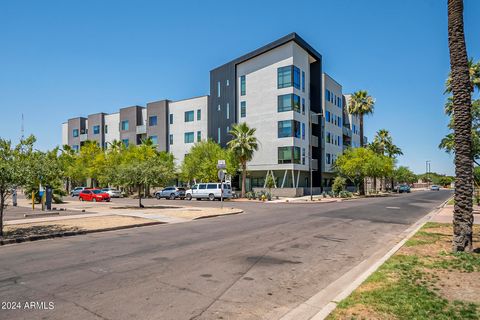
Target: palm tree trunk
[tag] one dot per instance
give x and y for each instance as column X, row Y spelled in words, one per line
column 462, row 90
column 361, row 130
column 244, row 178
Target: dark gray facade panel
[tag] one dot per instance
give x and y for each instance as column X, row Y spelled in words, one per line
column 218, row 119
column 316, row 107
column 97, row 119
column 134, row 117
column 76, row 123
column 160, row 110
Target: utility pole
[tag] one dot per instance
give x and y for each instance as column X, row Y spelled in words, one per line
column 427, row 172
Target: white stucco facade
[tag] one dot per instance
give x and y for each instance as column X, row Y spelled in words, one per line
column 261, row 99
column 332, row 99
column 179, row 129
column 112, row 127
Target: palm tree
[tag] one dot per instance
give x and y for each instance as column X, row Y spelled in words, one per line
column 361, row 104
column 462, row 89
column 243, row 146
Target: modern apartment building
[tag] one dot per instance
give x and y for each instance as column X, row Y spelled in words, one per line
column 280, row 89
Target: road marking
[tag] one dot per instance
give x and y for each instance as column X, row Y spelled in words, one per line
column 395, row 208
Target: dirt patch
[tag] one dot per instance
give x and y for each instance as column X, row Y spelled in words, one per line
column 59, row 226
column 451, row 286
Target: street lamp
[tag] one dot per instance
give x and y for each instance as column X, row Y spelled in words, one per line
column 311, row 151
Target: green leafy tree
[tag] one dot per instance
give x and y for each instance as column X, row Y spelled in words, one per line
column 361, row 104
column 269, row 183
column 462, row 89
column 243, row 145
column 143, row 166
column 201, row 162
column 12, row 169
column 339, row 184
column 352, row 164
column 403, row 174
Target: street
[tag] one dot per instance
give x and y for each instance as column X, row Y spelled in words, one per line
column 255, row 265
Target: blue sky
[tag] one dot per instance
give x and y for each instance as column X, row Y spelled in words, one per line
column 61, row 59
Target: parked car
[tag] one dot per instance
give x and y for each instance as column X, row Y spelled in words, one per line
column 210, row 191
column 113, row 193
column 435, row 188
column 171, row 193
column 75, row 192
column 94, row 195
column 402, row 188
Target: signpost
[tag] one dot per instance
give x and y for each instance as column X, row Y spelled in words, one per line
column 221, row 166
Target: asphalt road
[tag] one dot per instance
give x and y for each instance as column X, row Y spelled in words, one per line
column 256, row 265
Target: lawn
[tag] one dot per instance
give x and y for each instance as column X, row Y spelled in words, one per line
column 423, row 280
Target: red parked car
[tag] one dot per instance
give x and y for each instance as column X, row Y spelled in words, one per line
column 94, row 195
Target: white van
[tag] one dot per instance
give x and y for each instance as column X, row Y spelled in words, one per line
column 210, row 191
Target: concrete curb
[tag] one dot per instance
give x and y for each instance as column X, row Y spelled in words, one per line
column 324, row 302
column 219, row 215
column 74, row 233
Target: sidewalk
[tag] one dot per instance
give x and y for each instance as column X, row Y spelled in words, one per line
column 445, row 215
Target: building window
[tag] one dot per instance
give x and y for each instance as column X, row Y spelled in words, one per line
column 126, row 142
column 303, row 105
column 218, row 136
column 339, row 142
column 154, row 140
column 124, row 125
column 327, row 95
column 243, row 109
column 96, row 129
column 199, row 115
column 199, row 136
column 289, row 128
column 288, row 76
column 218, row 89
column 303, row 81
column 327, row 116
column 76, row 147
column 303, row 156
column 152, row 121
column 106, row 129
column 328, row 159
column 171, row 118
column 189, row 136
column 219, row 108
column 288, row 155
column 75, row 133
column 243, row 86
column 227, row 130
column 228, row 83
column 284, row 77
column 170, row 139
column 328, row 137
column 288, row 102
column 228, row 110
column 189, row 116
column 303, row 131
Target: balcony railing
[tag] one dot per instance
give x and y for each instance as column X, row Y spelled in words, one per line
column 84, row 137
column 142, row 129
column 314, row 141
column 347, row 132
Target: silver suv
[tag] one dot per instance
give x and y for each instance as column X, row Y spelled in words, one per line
column 170, row 193
column 76, row 192
column 210, row 191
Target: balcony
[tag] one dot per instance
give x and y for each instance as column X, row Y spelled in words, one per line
column 83, row 137
column 314, row 164
column 314, row 141
column 314, row 117
column 347, row 132
column 142, row 129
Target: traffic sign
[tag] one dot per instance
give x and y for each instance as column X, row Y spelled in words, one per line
column 221, row 175
column 221, row 164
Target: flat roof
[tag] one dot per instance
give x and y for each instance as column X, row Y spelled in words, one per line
column 275, row 44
